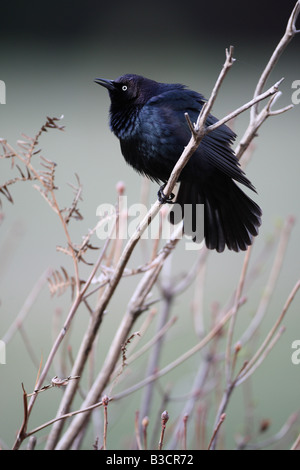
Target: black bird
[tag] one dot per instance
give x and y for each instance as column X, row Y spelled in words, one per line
column 148, row 119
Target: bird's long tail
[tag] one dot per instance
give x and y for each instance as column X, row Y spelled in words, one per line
column 230, row 217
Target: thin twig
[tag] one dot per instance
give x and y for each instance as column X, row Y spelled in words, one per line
column 22, row 434
column 247, row 371
column 145, row 423
column 208, row 106
column 296, row 444
column 152, row 341
column 137, row 430
column 290, row 32
column 257, row 118
column 223, row 405
column 216, row 430
column 250, row 366
column 105, row 401
column 164, row 420
column 153, row 361
column 276, row 437
column 185, row 420
column 228, row 363
column 271, row 283
column 185, row 356
column 64, row 417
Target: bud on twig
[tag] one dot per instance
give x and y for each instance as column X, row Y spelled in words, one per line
column 164, row 420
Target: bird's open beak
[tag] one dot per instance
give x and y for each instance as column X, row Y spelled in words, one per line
column 109, row 84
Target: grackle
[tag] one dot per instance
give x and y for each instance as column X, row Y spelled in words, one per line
column 148, row 118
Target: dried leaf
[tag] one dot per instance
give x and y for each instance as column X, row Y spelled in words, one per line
column 60, row 281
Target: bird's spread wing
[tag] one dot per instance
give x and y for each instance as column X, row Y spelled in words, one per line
column 163, row 125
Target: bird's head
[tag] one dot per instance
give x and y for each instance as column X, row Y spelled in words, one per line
column 129, row 89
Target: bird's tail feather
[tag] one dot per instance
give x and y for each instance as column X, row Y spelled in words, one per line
column 230, row 218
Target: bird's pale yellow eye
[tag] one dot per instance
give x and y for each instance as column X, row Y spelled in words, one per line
column 124, row 87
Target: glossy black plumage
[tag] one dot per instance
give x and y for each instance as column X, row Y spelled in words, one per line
column 148, row 118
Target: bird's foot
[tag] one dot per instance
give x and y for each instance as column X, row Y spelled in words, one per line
column 163, row 199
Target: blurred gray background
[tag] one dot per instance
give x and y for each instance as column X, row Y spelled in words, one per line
column 50, row 55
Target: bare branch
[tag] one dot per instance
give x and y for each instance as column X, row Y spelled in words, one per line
column 229, row 364
column 217, row 428
column 257, row 118
column 113, row 264
column 290, row 32
column 247, row 371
